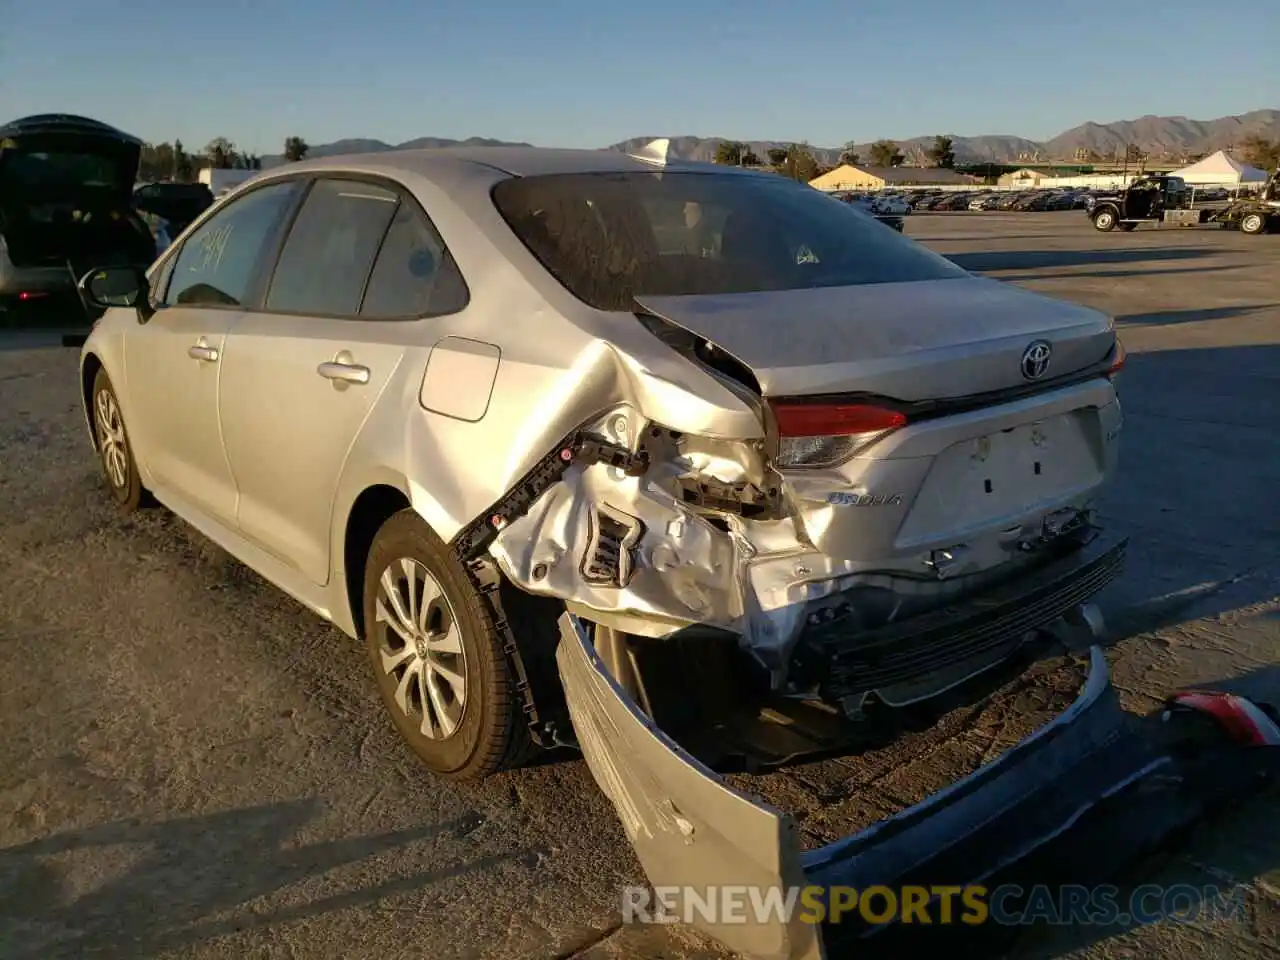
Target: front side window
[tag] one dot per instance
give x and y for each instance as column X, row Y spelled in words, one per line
column 331, row 248
column 612, row 237
column 218, row 261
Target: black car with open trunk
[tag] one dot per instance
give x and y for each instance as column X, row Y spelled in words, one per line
column 66, row 205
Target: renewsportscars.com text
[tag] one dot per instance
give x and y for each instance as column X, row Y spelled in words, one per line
column 1009, row 905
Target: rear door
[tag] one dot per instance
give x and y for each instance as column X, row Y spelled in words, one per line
column 355, row 277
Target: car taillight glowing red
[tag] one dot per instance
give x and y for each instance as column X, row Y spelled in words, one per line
column 834, row 419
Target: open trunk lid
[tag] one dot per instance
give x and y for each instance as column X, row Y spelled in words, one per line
column 61, row 156
column 1075, row 802
column 925, row 340
column 66, row 192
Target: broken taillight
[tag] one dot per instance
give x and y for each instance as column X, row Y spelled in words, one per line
column 824, row 434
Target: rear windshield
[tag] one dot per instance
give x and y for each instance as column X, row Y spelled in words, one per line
column 41, row 169
column 612, row 237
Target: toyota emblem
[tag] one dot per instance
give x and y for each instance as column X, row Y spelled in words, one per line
column 1035, row 359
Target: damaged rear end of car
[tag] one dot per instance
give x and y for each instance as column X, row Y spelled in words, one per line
column 910, row 502
column 913, row 494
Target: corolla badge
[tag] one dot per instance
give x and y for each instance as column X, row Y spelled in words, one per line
column 1035, row 359
column 844, row 499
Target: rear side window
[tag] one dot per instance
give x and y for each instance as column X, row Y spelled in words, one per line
column 414, row 275
column 219, row 260
column 331, row 248
column 614, row 236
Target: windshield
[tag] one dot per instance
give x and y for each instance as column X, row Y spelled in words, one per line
column 612, row 237
column 40, row 169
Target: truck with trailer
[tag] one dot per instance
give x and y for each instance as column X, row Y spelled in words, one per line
column 1164, row 200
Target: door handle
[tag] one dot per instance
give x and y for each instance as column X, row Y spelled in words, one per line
column 202, row 351
column 343, row 370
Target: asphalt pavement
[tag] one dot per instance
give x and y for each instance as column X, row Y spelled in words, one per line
column 195, row 766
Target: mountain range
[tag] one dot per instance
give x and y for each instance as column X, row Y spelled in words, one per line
column 1160, row 137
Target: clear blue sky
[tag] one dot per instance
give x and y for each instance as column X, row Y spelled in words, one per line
column 569, row 73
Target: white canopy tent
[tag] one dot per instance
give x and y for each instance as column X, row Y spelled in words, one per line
column 1220, row 170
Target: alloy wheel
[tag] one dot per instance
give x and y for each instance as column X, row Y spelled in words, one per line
column 111, row 440
column 420, row 647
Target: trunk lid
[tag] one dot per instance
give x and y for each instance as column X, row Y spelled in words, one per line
column 66, row 192
column 925, row 340
column 56, row 156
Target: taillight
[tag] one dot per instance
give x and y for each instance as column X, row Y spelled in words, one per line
column 1118, row 357
column 824, row 434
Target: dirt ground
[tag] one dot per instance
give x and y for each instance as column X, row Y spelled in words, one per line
column 195, row 766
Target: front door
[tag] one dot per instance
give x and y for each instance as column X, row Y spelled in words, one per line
column 173, row 360
column 301, row 376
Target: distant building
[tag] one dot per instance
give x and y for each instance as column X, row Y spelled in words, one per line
column 848, row 177
column 1026, row 177
column 220, row 181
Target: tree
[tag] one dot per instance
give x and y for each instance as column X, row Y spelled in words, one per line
column 885, row 153
column 941, row 153
column 156, row 161
column 749, row 159
column 1134, row 154
column 850, row 155
column 777, row 156
column 183, row 169
column 729, row 152
column 220, row 153
column 798, row 163
column 1261, row 152
column 295, row 149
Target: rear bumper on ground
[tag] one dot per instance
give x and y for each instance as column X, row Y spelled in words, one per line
column 1073, row 793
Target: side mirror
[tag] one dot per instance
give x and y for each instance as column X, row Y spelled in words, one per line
column 107, row 287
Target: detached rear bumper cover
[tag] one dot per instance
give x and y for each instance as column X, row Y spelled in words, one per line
column 691, row 829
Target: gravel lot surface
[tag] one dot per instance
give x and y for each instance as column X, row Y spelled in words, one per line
column 196, row 766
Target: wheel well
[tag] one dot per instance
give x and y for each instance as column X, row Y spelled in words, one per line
column 371, row 510
column 88, row 373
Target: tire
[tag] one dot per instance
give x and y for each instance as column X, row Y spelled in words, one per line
column 115, row 453
column 1253, row 223
column 460, row 712
column 1104, row 220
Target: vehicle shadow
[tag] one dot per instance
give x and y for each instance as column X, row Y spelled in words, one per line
column 185, row 876
column 1107, row 274
column 980, row 238
column 34, row 340
column 990, row 260
column 1202, row 881
column 1163, row 317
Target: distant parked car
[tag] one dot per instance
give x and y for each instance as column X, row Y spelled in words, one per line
column 178, row 204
